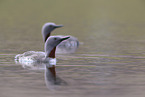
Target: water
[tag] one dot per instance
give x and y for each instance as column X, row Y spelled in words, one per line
column 109, row 62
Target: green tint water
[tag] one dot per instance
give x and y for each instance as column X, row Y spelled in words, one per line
column 110, row 59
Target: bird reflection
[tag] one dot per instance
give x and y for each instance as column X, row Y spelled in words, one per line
column 50, row 75
column 51, row 79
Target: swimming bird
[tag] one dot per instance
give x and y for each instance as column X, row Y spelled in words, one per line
column 47, row 56
column 67, row 46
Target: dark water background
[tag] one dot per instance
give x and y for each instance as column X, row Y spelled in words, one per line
column 110, row 61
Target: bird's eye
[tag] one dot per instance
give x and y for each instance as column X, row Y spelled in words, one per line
column 55, row 38
column 50, row 25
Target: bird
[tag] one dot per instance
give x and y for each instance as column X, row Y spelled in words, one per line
column 46, row 57
column 67, row 46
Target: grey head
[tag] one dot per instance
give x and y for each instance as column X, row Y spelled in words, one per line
column 47, row 28
column 51, row 43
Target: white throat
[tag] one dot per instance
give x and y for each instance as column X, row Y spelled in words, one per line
column 51, row 61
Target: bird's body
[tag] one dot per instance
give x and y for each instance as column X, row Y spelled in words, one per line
column 68, row 46
column 30, row 56
column 48, row 56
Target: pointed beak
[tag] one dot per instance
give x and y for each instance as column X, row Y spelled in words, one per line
column 58, row 26
column 64, row 38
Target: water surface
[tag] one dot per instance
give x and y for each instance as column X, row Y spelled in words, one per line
column 109, row 62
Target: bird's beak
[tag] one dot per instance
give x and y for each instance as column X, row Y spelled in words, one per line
column 58, row 26
column 64, row 38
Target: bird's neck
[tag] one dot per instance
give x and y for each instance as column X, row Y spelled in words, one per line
column 45, row 38
column 46, row 33
column 52, row 53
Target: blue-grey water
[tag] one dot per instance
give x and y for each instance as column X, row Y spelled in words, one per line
column 110, row 61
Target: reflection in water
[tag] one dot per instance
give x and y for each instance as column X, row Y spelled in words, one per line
column 51, row 79
column 50, row 75
column 113, row 33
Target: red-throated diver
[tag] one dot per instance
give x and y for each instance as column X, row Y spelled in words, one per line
column 67, row 46
column 48, row 56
